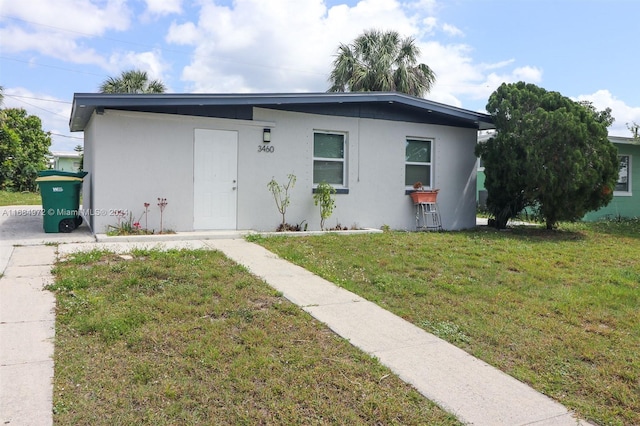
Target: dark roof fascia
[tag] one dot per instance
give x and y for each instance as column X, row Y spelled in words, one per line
column 85, row 103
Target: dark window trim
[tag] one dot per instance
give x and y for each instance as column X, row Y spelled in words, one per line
column 338, row 190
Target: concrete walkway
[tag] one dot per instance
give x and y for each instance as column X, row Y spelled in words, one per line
column 472, row 390
column 27, row 328
column 475, row 392
column 27, row 314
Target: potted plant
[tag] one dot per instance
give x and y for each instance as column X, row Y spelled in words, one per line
column 421, row 195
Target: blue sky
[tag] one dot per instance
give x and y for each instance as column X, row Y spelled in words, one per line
column 585, row 49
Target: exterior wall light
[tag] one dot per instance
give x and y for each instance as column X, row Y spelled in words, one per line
column 266, row 135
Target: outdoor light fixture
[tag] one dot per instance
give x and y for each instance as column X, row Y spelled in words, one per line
column 266, row 135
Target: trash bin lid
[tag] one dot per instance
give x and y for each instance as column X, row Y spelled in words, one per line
column 53, row 172
column 58, row 179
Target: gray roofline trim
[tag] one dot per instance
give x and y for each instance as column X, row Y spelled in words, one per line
column 623, row 140
column 613, row 139
column 85, row 103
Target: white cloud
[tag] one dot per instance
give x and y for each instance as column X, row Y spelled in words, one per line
column 496, row 65
column 55, row 45
column 622, row 112
column 79, row 18
column 186, row 33
column 58, row 29
column 164, row 7
column 426, row 6
column 459, row 76
column 429, row 25
column 528, row 74
column 150, row 61
column 452, row 30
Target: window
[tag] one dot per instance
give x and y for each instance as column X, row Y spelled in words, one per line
column 329, row 158
column 624, row 175
column 417, row 166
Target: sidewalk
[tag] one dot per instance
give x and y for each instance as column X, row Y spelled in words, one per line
column 472, row 390
column 27, row 330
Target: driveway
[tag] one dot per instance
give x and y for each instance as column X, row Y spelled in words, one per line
column 22, row 226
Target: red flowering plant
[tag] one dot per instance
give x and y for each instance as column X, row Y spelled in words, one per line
column 127, row 225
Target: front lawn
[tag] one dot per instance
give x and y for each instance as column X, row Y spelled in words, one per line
column 190, row 338
column 559, row 310
column 20, row 198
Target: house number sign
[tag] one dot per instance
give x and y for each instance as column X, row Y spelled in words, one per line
column 266, row 148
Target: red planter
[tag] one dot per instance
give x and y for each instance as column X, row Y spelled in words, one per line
column 424, row 196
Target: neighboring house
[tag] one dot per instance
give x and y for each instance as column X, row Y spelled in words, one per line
column 624, row 204
column 67, row 161
column 481, row 191
column 212, row 155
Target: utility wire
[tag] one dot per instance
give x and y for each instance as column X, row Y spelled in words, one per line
column 39, row 99
column 66, row 136
column 51, row 66
column 35, row 106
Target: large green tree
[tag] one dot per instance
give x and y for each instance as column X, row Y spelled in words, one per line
column 380, row 61
column 132, row 81
column 549, row 153
column 23, row 149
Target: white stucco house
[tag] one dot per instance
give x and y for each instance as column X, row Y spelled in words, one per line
column 212, row 155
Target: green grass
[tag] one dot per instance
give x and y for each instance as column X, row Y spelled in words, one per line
column 20, row 198
column 559, row 310
column 190, row 338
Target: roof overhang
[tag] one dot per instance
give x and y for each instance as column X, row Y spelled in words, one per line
column 384, row 105
column 623, row 140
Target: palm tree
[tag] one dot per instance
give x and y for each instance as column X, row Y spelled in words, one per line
column 380, row 61
column 133, row 81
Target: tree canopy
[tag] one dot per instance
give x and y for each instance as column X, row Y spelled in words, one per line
column 549, row 153
column 634, row 128
column 23, row 149
column 380, row 61
column 132, row 81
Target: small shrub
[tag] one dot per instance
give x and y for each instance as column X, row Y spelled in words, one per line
column 281, row 195
column 326, row 199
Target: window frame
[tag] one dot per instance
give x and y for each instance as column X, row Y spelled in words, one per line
column 343, row 160
column 429, row 163
column 628, row 192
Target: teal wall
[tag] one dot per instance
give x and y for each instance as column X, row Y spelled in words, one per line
column 67, row 164
column 621, row 205
column 480, row 186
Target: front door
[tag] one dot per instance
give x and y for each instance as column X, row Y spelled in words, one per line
column 215, row 176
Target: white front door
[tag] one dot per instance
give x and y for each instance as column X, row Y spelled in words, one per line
column 215, row 176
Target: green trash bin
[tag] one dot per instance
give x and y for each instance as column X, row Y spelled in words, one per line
column 60, row 202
